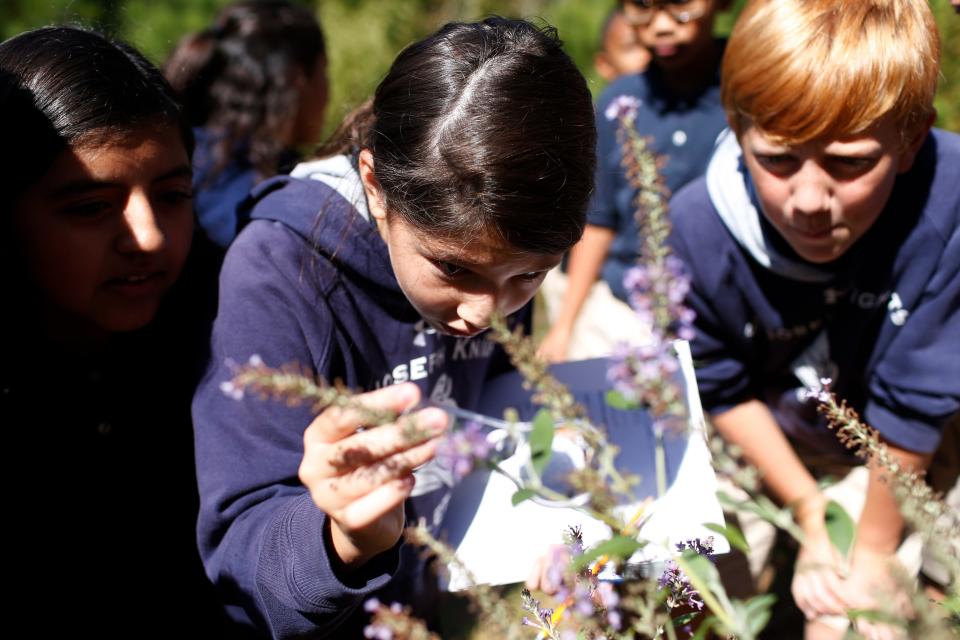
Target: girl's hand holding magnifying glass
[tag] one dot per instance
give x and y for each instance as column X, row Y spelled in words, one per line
column 361, row 477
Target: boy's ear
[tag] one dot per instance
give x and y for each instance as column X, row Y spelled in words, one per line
column 909, row 154
column 371, row 186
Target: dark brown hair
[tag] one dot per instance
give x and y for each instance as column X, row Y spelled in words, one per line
column 238, row 77
column 483, row 127
column 67, row 86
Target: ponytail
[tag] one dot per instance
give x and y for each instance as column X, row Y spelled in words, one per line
column 351, row 135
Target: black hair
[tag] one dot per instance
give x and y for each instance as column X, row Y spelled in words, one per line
column 483, row 127
column 67, row 86
column 239, row 77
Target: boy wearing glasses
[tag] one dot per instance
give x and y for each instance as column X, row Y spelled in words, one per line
column 680, row 110
column 823, row 242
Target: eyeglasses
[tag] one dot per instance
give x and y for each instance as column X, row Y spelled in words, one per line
column 683, row 11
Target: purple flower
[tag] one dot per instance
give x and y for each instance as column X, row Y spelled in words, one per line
column 622, row 107
column 573, row 538
column 462, row 448
column 609, row 599
column 679, row 590
column 376, row 630
column 231, row 390
column 583, row 599
column 700, row 547
column 821, row 394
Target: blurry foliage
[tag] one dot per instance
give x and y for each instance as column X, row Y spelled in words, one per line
column 365, row 35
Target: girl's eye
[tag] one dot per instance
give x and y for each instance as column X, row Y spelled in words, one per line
column 176, row 196
column 449, row 269
column 532, row 276
column 86, row 209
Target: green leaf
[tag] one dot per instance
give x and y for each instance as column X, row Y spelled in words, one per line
column 757, row 612
column 617, row 400
column 727, row 500
column 705, row 579
column 875, row 615
column 616, row 548
column 702, row 570
column 840, row 528
column 541, row 440
column 521, row 495
column 733, row 535
column 705, row 628
column 679, row 621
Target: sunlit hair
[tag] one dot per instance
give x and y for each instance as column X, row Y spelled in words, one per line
column 483, row 127
column 801, row 70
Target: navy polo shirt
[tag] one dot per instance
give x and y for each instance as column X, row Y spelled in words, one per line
column 682, row 129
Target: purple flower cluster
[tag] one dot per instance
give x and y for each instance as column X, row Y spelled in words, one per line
column 378, row 630
column 609, row 599
column 821, row 393
column 675, row 582
column 463, row 448
column 664, row 286
column 679, row 590
column 623, row 108
column 544, row 616
column 656, row 291
column 700, row 547
column 582, row 594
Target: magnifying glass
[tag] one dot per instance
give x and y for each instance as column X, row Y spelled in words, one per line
column 511, row 454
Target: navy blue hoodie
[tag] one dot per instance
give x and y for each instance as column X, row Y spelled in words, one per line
column 309, row 281
column 883, row 321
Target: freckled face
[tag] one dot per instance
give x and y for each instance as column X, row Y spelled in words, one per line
column 823, row 196
column 105, row 232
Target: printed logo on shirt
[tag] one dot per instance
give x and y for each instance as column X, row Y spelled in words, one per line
column 797, row 331
column 813, row 365
column 421, row 331
column 472, row 348
column 898, row 314
column 866, row 300
column 415, row 369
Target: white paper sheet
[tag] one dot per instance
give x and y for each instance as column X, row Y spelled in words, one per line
column 499, row 543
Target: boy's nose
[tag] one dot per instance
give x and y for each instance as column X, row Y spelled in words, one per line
column 811, row 192
column 141, row 232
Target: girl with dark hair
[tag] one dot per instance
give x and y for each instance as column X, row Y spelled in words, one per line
column 449, row 197
column 254, row 85
column 108, row 303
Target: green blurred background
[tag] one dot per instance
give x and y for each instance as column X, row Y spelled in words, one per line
column 364, row 35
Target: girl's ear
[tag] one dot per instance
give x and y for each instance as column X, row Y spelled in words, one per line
column 371, row 187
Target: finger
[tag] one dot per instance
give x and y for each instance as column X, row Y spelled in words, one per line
column 875, row 631
column 367, row 510
column 335, row 423
column 813, row 596
column 534, row 580
column 371, row 445
column 364, row 480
